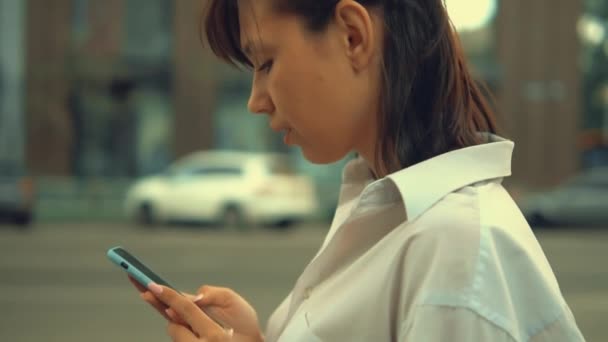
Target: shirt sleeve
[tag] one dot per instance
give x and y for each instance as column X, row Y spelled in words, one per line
column 563, row 329
column 447, row 324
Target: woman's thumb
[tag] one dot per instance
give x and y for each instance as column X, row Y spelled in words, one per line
column 212, row 296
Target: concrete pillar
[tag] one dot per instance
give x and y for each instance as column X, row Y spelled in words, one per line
column 48, row 127
column 194, row 82
column 106, row 27
column 539, row 98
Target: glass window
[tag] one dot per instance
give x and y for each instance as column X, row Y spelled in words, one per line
column 592, row 29
column 80, row 25
column 148, row 29
column 591, row 179
column 205, row 171
column 219, row 171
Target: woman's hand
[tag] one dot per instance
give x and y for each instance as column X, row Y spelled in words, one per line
column 238, row 319
column 223, row 304
column 148, row 297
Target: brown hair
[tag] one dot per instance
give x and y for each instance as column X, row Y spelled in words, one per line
column 430, row 103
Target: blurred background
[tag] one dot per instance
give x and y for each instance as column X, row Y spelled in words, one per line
column 117, row 126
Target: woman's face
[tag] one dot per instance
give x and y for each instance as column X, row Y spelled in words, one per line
column 320, row 89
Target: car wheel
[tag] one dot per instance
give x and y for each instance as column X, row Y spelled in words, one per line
column 284, row 224
column 233, row 218
column 537, row 220
column 23, row 219
column 146, row 215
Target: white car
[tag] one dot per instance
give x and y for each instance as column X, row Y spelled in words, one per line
column 580, row 201
column 17, row 195
column 228, row 187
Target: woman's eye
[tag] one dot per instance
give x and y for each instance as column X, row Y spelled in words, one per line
column 266, row 66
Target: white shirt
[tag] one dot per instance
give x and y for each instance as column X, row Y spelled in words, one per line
column 435, row 252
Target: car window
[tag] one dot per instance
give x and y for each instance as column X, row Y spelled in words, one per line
column 192, row 170
column 218, row 171
column 591, row 180
column 598, row 183
column 280, row 167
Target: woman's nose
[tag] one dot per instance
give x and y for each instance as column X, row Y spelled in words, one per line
column 259, row 100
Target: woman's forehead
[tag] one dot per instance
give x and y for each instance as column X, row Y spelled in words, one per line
column 254, row 17
column 252, row 12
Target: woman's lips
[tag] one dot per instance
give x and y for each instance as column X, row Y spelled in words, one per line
column 287, row 137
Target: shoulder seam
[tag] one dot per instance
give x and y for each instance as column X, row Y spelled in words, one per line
column 544, row 327
column 472, row 310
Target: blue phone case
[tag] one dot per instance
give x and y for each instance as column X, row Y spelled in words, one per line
column 134, row 267
column 143, row 274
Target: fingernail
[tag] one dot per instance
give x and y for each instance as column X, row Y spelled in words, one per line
column 155, row 288
column 197, row 298
column 169, row 313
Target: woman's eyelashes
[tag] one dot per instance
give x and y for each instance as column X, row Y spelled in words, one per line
column 266, row 66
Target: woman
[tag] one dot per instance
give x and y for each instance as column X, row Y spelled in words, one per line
column 426, row 245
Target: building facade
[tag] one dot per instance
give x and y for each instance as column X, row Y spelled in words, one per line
column 12, row 81
column 540, row 90
column 143, row 52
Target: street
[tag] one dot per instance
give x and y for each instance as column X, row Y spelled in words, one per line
column 57, row 285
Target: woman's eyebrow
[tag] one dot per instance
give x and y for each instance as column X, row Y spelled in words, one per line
column 250, row 48
column 247, row 49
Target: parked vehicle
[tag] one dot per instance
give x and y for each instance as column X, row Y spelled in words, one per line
column 16, row 193
column 580, row 201
column 228, row 187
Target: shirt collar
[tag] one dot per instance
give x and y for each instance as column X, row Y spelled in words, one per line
column 425, row 183
column 422, row 185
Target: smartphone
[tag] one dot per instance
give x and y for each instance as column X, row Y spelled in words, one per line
column 135, row 268
column 145, row 275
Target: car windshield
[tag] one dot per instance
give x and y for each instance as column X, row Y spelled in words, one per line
column 203, row 170
column 591, row 179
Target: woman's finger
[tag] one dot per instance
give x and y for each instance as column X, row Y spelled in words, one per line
column 214, row 296
column 200, row 323
column 193, row 298
column 149, row 298
column 164, row 310
column 137, row 285
column 155, row 303
column 174, row 317
column 179, row 333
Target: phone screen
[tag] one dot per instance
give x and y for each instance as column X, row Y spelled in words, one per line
column 134, row 262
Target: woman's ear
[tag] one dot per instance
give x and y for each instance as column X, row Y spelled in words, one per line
column 357, row 29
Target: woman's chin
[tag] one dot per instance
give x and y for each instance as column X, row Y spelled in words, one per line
column 322, row 157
